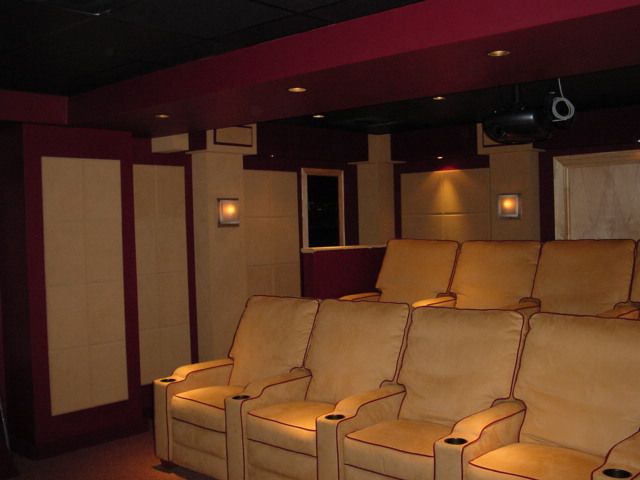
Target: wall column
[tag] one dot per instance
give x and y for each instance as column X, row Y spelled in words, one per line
column 375, row 193
column 220, row 254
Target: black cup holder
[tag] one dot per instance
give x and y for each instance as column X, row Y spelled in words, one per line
column 616, row 473
column 334, row 416
column 455, row 441
column 240, row 397
column 168, row 380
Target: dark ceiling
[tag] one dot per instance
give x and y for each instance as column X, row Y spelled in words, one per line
column 363, row 75
column 67, row 47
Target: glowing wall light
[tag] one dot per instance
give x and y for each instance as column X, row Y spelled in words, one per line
column 509, row 205
column 228, row 212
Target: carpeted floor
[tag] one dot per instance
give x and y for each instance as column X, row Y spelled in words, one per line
column 129, row 458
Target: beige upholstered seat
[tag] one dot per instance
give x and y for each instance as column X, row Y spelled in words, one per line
column 492, row 274
column 580, row 382
column 457, row 363
column 588, row 277
column 413, row 270
column 355, row 347
column 190, row 421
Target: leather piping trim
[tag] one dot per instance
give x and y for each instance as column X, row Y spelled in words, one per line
column 281, row 448
column 200, row 402
column 372, row 471
column 198, row 426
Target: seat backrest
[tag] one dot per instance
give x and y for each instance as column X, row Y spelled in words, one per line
column 272, row 337
column 355, row 346
column 580, row 380
column 416, row 269
column 457, row 362
column 494, row 274
column 584, row 276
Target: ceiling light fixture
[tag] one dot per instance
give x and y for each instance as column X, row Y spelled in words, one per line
column 297, row 89
column 438, row 98
column 318, row 115
column 498, row 53
column 439, row 157
column 162, row 116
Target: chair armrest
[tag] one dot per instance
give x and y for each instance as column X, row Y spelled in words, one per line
column 353, row 413
column 484, row 431
column 278, row 389
column 526, row 306
column 187, row 377
column 620, row 310
column 623, row 456
column 362, row 297
column 440, row 301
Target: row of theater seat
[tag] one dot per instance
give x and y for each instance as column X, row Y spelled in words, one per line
column 374, row 390
column 587, row 277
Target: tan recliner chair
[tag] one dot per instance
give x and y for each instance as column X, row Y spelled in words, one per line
column 413, row 270
column 586, row 277
column 355, row 347
column 580, row 382
column 190, row 425
column 491, row 274
column 457, row 365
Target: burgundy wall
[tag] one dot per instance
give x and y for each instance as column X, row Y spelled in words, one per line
column 333, row 273
column 34, row 430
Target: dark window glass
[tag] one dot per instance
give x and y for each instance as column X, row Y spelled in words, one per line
column 323, row 213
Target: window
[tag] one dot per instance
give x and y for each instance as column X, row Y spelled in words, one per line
column 322, row 207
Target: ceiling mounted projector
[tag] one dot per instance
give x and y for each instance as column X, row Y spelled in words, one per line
column 518, row 125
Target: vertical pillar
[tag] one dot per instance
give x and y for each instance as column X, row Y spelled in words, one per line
column 220, row 254
column 375, row 193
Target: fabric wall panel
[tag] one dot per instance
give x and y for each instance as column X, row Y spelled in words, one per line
column 161, row 260
column 82, row 216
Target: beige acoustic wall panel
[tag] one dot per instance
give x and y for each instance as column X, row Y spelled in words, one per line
column 449, row 204
column 161, row 260
column 273, row 246
column 84, row 282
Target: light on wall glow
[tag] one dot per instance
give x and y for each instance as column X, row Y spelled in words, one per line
column 228, row 212
column 509, row 205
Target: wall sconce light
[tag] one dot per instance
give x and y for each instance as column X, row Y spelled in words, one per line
column 228, row 212
column 509, row 205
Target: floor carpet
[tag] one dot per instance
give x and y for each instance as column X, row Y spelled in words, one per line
column 129, row 458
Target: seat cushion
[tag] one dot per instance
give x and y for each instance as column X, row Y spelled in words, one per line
column 584, row 276
column 355, row 346
column 203, row 407
column 272, row 337
column 399, row 448
column 416, row 269
column 539, row 462
column 458, row 362
column 291, row 426
column 494, row 274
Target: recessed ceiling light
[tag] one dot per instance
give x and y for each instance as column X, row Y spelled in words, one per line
column 162, row 116
column 318, row 115
column 438, row 98
column 439, row 157
column 498, row 53
column 297, row 89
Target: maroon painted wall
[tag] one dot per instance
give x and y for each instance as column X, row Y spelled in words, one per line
column 333, row 273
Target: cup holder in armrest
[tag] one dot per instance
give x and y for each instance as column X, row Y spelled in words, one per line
column 334, row 416
column 168, row 380
column 240, row 397
column 455, row 441
column 616, row 473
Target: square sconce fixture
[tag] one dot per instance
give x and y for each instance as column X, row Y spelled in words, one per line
column 509, row 205
column 228, row 212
